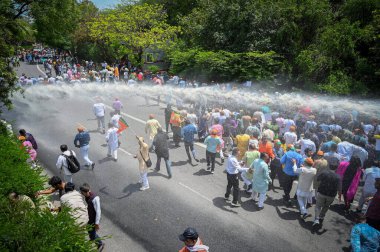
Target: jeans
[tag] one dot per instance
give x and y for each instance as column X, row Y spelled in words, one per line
column 322, row 205
column 94, row 236
column 68, row 178
column 287, row 185
column 210, row 158
column 167, row 163
column 176, row 134
column 190, row 147
column 262, row 197
column 84, row 153
column 101, row 123
column 144, row 178
column 233, row 182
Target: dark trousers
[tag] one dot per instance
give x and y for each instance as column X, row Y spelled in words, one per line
column 189, row 147
column 233, row 182
column 176, row 134
column 167, row 123
column 167, row 163
column 287, row 184
column 94, row 236
column 210, row 158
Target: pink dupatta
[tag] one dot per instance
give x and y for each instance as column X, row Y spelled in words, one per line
column 354, row 183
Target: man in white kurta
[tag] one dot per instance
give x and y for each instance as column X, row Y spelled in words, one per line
column 112, row 138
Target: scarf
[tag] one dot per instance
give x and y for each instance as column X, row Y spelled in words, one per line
column 198, row 247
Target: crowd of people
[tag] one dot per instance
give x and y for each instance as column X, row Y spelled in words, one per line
column 327, row 155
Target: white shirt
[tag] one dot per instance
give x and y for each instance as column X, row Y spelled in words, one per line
column 288, row 123
column 112, row 138
column 370, row 175
column 115, row 120
column 62, row 162
column 99, row 109
column 290, row 138
column 96, row 203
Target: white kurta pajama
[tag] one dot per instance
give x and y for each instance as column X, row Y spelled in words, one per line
column 112, row 138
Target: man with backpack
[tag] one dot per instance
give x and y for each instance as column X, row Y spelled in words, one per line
column 67, row 162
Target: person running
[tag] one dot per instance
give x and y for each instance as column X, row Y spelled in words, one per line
column 82, row 141
column 261, row 179
column 192, row 241
column 211, row 143
column 161, row 147
column 94, row 214
column 233, row 168
column 188, row 132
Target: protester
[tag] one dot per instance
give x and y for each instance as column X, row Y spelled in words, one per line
column 143, row 157
column 212, row 143
column 349, row 173
column 82, row 141
column 233, row 168
column 161, row 147
column 261, row 178
column 117, row 105
column 305, row 183
column 112, row 139
column 372, row 215
column 187, row 133
column 29, row 137
column 371, row 173
column 151, row 127
column 94, row 214
column 289, row 176
column 192, row 241
column 74, row 200
column 99, row 111
column 62, row 162
column 365, row 238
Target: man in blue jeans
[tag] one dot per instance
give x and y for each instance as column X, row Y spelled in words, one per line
column 94, row 213
column 188, row 133
column 82, row 141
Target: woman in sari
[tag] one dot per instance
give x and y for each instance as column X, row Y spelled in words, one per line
column 349, row 173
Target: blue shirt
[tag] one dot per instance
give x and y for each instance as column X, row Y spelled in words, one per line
column 365, row 238
column 188, row 132
column 212, row 143
column 287, row 160
column 83, row 138
column 326, row 146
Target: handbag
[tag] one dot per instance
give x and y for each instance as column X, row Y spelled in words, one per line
column 148, row 162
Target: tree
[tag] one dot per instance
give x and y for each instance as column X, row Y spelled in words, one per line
column 55, row 21
column 133, row 28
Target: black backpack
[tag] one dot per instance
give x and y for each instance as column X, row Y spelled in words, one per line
column 73, row 164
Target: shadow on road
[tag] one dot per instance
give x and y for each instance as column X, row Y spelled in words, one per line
column 202, row 172
column 155, row 173
column 129, row 189
column 219, row 202
column 178, row 163
column 104, row 160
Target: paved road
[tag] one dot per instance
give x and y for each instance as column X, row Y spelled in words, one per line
column 151, row 220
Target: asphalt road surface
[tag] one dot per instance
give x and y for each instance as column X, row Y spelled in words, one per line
column 152, row 220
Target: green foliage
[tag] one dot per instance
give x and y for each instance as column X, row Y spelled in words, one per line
column 55, row 21
column 225, row 66
column 133, row 28
column 340, row 83
column 23, row 228
column 153, row 68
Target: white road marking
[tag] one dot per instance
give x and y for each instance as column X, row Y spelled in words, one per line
column 39, row 69
column 126, row 152
column 197, row 193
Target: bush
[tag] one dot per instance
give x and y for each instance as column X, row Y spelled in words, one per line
column 23, row 228
column 226, row 66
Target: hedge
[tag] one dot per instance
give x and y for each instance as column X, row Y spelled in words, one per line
column 226, row 66
column 23, row 228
